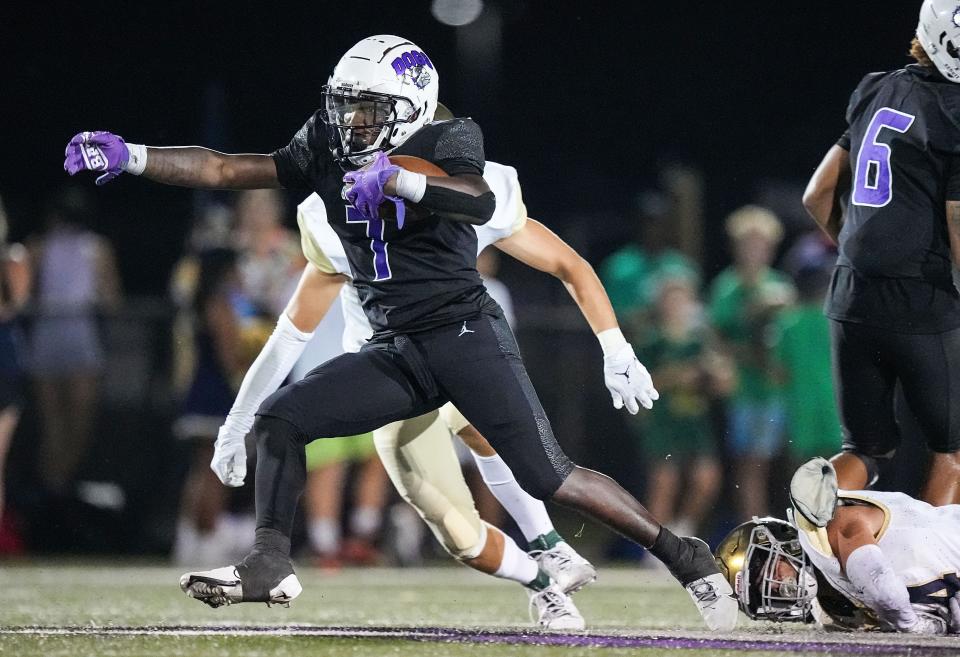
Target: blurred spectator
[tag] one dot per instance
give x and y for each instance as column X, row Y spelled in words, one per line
column 75, row 279
column 329, row 462
column 214, row 319
column 802, row 349
column 14, row 293
column 630, row 273
column 678, row 439
column 744, row 301
column 270, row 256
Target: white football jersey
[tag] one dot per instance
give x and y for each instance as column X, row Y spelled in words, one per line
column 922, row 543
column 322, row 246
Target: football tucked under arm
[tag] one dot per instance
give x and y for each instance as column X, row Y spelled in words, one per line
column 428, row 189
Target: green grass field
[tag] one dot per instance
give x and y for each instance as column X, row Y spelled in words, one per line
column 52, row 609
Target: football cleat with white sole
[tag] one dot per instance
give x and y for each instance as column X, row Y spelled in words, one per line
column 713, row 596
column 258, row 578
column 697, row 570
column 555, row 609
column 566, row 567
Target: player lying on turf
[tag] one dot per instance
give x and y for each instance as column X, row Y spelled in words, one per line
column 438, row 337
column 417, row 453
column 883, row 561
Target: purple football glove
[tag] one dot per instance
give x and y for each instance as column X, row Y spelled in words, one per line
column 96, row 151
column 364, row 188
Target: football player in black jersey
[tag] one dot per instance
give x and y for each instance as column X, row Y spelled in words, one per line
column 894, row 308
column 437, row 337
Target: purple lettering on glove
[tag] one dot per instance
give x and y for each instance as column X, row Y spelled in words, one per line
column 364, row 189
column 96, row 151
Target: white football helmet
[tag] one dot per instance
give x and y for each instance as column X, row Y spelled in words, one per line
column 939, row 34
column 382, row 91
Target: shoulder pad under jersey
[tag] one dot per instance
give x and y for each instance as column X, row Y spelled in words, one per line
column 510, row 213
column 320, row 244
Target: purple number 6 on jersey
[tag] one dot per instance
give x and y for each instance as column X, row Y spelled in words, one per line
column 375, row 228
column 873, row 184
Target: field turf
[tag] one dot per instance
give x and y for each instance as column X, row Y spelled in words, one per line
column 67, row 609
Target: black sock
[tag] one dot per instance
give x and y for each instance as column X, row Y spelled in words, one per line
column 280, row 477
column 687, row 559
column 667, row 546
column 271, row 540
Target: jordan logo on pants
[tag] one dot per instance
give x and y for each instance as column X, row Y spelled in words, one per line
column 464, row 329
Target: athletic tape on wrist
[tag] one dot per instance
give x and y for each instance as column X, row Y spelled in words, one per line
column 411, row 186
column 138, row 159
column 611, row 340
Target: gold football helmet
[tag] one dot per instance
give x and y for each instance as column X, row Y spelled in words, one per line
column 771, row 577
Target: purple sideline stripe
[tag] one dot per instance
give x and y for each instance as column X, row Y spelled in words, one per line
column 454, row 635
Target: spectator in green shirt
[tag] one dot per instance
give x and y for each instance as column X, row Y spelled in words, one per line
column 802, row 350
column 744, row 301
column 677, row 438
column 630, row 274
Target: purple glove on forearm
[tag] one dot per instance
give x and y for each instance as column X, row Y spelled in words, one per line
column 364, row 188
column 97, row 151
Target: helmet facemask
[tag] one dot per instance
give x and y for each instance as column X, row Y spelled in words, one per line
column 361, row 123
column 780, row 584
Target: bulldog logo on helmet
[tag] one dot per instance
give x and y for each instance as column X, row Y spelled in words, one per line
column 414, row 64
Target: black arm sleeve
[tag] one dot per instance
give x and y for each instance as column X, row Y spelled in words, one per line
column 457, row 206
column 844, row 141
column 306, row 159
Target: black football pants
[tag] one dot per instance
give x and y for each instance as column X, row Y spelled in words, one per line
column 474, row 364
column 868, row 362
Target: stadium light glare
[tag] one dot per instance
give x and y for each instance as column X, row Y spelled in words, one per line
column 456, row 13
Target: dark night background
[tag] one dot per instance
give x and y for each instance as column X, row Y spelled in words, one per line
column 584, row 100
column 587, row 100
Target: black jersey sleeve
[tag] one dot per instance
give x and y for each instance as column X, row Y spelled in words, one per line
column 844, row 141
column 459, row 148
column 306, row 159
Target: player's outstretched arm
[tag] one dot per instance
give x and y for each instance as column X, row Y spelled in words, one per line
column 194, row 166
column 186, row 166
column 309, row 304
column 823, row 195
column 539, row 247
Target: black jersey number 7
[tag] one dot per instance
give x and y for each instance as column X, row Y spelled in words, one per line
column 378, row 245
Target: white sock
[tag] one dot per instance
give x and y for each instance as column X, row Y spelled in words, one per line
column 528, row 512
column 365, row 521
column 517, row 565
column 324, row 535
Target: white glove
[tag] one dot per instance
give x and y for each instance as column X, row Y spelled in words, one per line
column 268, row 371
column 229, row 457
column 628, row 380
